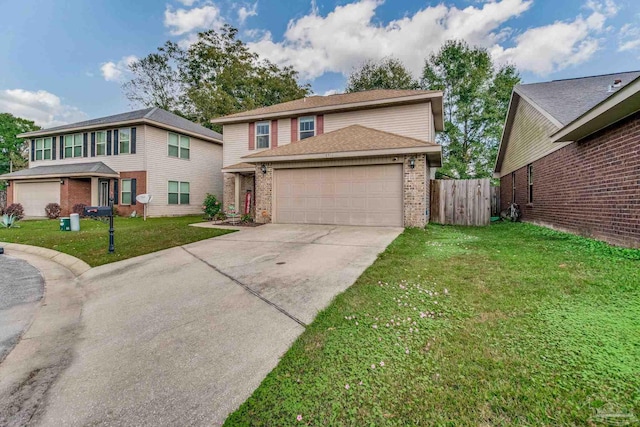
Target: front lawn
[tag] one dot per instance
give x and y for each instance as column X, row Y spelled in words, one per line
column 133, row 236
column 504, row 325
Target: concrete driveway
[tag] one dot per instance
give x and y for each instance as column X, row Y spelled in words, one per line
column 183, row 336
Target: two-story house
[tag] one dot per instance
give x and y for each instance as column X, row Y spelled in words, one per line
column 145, row 151
column 360, row 158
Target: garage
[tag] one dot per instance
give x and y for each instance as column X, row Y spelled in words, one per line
column 346, row 195
column 34, row 196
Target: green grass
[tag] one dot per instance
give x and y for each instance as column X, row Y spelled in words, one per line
column 535, row 328
column 133, row 237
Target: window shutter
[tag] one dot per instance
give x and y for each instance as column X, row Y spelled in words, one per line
column 61, row 147
column 252, row 136
column 274, row 133
column 294, row 129
column 116, row 191
column 108, row 143
column 53, row 148
column 133, row 140
column 33, row 150
column 93, row 144
column 85, row 145
column 320, row 124
column 133, row 191
column 115, row 142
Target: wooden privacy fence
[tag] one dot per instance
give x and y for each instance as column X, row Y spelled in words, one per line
column 461, row 201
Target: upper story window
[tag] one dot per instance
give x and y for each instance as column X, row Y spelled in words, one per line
column 124, row 139
column 179, row 146
column 43, row 149
column 307, row 127
column 101, row 143
column 262, row 134
column 73, row 145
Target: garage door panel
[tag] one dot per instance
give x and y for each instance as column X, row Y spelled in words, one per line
column 34, row 196
column 356, row 195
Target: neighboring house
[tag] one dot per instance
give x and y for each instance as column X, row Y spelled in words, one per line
column 146, row 151
column 360, row 158
column 570, row 156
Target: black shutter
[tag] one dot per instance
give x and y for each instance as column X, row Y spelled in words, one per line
column 116, row 191
column 115, row 142
column 33, row 150
column 133, row 191
column 85, row 145
column 133, row 140
column 61, row 147
column 53, row 148
column 93, row 144
column 108, row 143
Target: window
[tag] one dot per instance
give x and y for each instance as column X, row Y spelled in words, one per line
column 73, row 145
column 125, row 193
column 513, row 187
column 43, row 149
column 262, row 135
column 124, row 140
column 307, row 126
column 178, row 193
column 179, row 146
column 101, row 143
column 530, row 180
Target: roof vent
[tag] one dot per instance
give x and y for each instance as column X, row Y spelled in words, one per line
column 617, row 83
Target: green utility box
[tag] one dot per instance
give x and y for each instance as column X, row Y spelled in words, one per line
column 65, row 224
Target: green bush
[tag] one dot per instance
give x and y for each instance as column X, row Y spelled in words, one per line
column 211, row 205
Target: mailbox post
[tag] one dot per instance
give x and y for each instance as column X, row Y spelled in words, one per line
column 100, row 212
column 112, row 247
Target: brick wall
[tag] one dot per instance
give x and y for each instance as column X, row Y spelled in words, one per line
column 264, row 187
column 10, row 192
column 591, row 187
column 246, row 183
column 141, row 188
column 416, row 186
column 73, row 192
column 228, row 193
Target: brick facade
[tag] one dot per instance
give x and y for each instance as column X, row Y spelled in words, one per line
column 264, row 194
column 141, row 188
column 591, row 187
column 229, row 194
column 416, row 191
column 9, row 194
column 73, row 192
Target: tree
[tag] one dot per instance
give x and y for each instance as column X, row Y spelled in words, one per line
column 14, row 150
column 476, row 98
column 388, row 73
column 215, row 76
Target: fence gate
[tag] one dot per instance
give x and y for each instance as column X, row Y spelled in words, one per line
column 461, row 201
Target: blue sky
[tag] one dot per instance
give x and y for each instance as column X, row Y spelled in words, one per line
column 64, row 61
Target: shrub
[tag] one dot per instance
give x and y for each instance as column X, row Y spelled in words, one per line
column 79, row 209
column 52, row 210
column 211, row 205
column 8, row 221
column 16, row 210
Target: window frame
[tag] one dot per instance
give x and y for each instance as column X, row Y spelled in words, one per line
column 179, row 193
column 122, row 192
column 258, row 135
column 180, row 139
column 530, row 181
column 306, row 119
column 120, row 150
column 98, row 144
column 43, row 149
column 73, row 145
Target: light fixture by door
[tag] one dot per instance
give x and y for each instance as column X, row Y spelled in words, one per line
column 412, row 163
column 263, row 168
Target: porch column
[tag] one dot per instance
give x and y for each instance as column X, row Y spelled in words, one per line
column 95, row 189
column 237, row 191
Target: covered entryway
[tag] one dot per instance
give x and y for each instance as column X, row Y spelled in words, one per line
column 346, row 195
column 34, row 196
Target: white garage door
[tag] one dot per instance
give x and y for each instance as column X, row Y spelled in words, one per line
column 34, row 196
column 350, row 195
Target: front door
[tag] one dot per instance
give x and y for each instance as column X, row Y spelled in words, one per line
column 103, row 194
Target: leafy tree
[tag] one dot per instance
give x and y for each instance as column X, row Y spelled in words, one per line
column 13, row 150
column 388, row 73
column 215, row 76
column 476, row 98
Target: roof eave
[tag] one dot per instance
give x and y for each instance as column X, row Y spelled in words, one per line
column 238, row 170
column 412, row 99
column 7, row 177
column 506, row 129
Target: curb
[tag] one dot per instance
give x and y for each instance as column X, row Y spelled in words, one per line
column 73, row 264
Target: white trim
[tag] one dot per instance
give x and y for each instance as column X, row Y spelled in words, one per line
column 239, row 170
column 120, row 142
column 315, row 127
column 60, row 175
column 73, row 145
column 180, row 136
column 345, row 154
column 105, row 142
column 268, row 134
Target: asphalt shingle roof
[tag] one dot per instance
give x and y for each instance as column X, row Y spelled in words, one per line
column 566, row 100
column 97, row 168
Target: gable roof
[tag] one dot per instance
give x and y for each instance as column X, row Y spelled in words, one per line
column 341, row 102
column 74, row 169
column 351, row 141
column 154, row 116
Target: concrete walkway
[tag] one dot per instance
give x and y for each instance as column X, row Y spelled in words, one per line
column 183, row 336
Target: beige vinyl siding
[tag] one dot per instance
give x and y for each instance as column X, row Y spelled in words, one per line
column 413, row 121
column 360, row 161
column 201, row 171
column 236, row 143
column 119, row 163
column 529, row 138
column 284, row 132
column 432, row 129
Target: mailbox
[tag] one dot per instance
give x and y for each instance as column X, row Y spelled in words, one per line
column 97, row 211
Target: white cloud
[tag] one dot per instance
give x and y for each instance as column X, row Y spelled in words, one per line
column 44, row 108
column 332, row 92
column 115, row 71
column 188, row 3
column 244, row 12
column 629, row 38
column 182, row 21
column 351, row 34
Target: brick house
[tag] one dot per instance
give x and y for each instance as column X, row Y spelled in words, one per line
column 360, row 158
column 145, row 151
column 570, row 156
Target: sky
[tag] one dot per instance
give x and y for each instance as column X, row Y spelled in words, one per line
column 65, row 61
